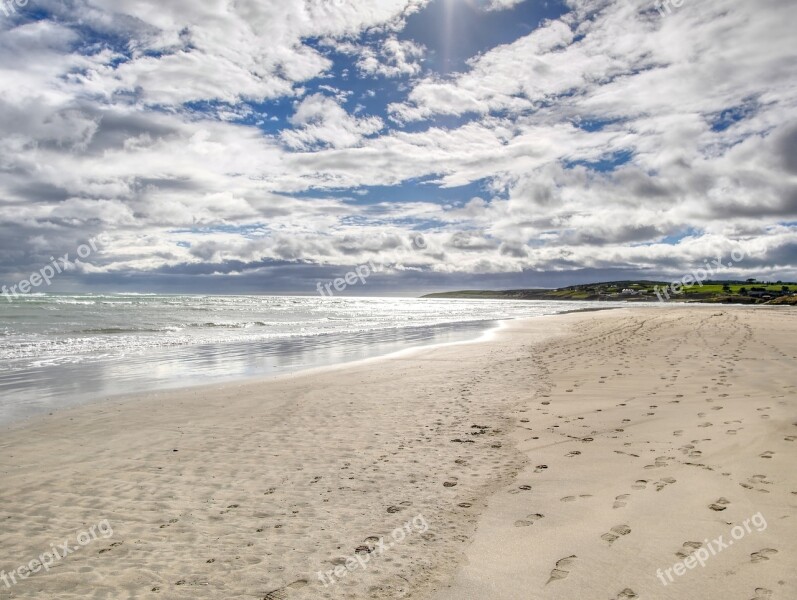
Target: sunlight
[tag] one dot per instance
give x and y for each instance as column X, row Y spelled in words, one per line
column 449, row 26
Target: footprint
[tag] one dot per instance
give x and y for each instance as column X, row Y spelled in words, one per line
column 762, row 555
column 529, row 520
column 568, row 499
column 767, row 454
column 626, row 594
column 560, row 572
column 640, row 484
column 665, row 481
column 762, row 594
column 572, row 454
column 661, row 461
column 171, row 522
column 615, row 533
column 720, row 505
column 620, row 501
column 540, row 468
column 282, row 593
column 114, row 545
column 688, row 549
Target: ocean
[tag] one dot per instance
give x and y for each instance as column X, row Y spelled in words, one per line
column 59, row 350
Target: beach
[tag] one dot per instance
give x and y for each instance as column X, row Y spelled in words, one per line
column 584, row 455
column 68, row 349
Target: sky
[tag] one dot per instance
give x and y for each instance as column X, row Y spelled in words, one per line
column 264, row 146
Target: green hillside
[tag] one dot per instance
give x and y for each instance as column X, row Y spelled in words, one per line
column 738, row 292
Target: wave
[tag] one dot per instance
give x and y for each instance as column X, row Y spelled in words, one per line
column 181, row 327
column 93, row 325
column 239, row 325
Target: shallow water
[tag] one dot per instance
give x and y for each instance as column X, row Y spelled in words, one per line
column 60, row 350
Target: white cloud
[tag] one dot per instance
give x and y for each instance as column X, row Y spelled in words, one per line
column 395, row 58
column 322, row 120
column 81, row 148
column 502, row 4
column 253, row 49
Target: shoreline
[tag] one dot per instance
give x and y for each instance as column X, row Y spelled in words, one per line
column 222, row 383
column 228, row 385
column 284, row 478
column 63, row 350
column 464, row 328
column 459, row 328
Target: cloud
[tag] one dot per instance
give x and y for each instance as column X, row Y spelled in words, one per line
column 608, row 140
column 321, row 120
column 181, row 52
column 393, row 59
column 502, row 4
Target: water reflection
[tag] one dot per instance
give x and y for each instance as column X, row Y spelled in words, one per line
column 41, row 389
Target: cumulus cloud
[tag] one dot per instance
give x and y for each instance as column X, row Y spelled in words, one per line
column 322, row 120
column 393, row 59
column 181, row 52
column 502, row 4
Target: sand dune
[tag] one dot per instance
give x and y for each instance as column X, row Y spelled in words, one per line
column 565, row 457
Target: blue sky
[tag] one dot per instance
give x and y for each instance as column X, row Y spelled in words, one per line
column 262, row 146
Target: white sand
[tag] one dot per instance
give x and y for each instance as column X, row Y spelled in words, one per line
column 653, row 418
column 272, row 482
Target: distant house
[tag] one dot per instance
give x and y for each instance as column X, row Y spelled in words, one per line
column 629, row 292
